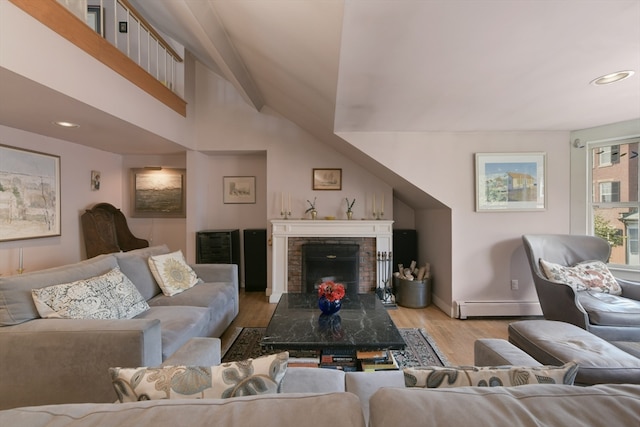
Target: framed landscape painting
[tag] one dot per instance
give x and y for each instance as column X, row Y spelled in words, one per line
column 238, row 189
column 29, row 194
column 158, row 193
column 327, row 179
column 510, row 182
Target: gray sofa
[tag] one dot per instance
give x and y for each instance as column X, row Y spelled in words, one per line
column 49, row 361
column 320, row 397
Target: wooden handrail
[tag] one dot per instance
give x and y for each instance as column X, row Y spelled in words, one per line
column 149, row 28
column 59, row 19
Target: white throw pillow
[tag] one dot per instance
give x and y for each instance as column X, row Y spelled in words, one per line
column 588, row 275
column 109, row 296
column 172, row 273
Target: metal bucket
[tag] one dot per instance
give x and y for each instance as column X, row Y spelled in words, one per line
column 412, row 293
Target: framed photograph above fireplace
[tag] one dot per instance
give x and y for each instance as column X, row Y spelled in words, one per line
column 327, row 179
column 510, row 182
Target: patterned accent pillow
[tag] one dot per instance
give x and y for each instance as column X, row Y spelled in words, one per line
column 109, row 296
column 485, row 376
column 585, row 276
column 172, row 273
column 262, row 375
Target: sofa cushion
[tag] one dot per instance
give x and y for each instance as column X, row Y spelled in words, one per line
column 274, row 410
column 135, row 265
column 179, row 325
column 486, row 376
column 109, row 296
column 527, row 405
column 262, row 375
column 593, row 276
column 16, row 302
column 172, row 273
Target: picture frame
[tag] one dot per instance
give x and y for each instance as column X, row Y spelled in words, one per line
column 30, row 199
column 238, row 189
column 508, row 182
column 95, row 19
column 95, row 180
column 327, row 179
column 158, row 193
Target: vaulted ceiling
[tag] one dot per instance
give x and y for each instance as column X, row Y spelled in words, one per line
column 418, row 65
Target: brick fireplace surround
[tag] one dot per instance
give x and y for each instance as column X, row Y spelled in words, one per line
column 289, row 235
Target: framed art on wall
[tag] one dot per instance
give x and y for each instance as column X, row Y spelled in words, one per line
column 327, row 179
column 158, row 193
column 238, row 189
column 29, row 194
column 510, row 182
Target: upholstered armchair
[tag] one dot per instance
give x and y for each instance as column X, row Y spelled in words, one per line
column 106, row 231
column 605, row 314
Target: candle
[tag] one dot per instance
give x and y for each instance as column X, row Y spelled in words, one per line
column 374, row 203
column 20, row 259
column 282, row 201
column 289, row 210
column 382, row 205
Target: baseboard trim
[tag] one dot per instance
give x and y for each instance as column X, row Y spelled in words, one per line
column 498, row 308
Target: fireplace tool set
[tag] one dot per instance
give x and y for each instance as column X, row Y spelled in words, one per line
column 383, row 287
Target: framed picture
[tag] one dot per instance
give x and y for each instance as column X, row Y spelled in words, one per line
column 29, row 194
column 94, row 19
column 95, row 180
column 238, row 189
column 158, row 193
column 327, row 179
column 510, row 182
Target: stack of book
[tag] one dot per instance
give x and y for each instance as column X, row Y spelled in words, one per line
column 342, row 359
column 378, row 360
column 304, row 359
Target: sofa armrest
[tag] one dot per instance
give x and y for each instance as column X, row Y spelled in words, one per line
column 630, row 289
column 198, row 351
column 217, row 272
column 498, row 352
column 49, row 361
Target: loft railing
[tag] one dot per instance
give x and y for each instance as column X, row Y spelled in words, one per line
column 121, row 24
column 157, row 70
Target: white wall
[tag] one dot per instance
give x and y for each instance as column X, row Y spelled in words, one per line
column 486, row 249
column 76, row 164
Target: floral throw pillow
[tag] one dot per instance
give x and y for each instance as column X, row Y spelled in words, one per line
column 172, row 273
column 109, row 296
column 262, row 375
column 447, row 377
column 585, row 276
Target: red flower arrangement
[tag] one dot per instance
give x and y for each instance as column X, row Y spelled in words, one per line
column 331, row 291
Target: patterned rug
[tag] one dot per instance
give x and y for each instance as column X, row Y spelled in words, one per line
column 420, row 348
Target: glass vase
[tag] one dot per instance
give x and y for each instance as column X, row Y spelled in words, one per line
column 329, row 307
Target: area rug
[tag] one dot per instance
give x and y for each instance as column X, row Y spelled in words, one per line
column 420, row 350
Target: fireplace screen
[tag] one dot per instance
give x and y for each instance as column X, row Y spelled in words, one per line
column 329, row 261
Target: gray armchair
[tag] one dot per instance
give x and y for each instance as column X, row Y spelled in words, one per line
column 611, row 317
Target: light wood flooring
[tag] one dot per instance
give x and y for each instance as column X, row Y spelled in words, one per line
column 454, row 337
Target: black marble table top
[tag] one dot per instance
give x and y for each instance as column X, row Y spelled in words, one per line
column 361, row 324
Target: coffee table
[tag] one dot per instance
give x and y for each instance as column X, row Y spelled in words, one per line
column 361, row 324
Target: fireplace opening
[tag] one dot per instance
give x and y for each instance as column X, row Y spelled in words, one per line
column 330, row 261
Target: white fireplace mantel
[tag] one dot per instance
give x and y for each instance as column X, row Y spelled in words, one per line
column 381, row 230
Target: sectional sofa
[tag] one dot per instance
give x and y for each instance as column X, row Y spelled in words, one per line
column 61, row 360
column 320, row 397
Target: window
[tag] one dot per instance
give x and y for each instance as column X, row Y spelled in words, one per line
column 614, row 199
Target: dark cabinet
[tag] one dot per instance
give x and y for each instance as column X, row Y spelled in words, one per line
column 218, row 247
column 255, row 260
column 405, row 248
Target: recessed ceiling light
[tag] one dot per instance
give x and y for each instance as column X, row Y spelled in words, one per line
column 612, row 78
column 66, row 124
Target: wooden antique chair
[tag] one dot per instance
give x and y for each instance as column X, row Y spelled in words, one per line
column 106, row 231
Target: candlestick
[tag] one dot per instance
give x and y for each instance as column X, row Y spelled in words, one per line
column 289, row 204
column 382, row 205
column 20, row 261
column 282, row 201
column 374, row 204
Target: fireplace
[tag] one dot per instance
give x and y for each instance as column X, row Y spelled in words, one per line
column 328, row 261
column 288, row 237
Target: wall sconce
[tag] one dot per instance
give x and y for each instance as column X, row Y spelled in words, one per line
column 577, row 143
column 153, row 168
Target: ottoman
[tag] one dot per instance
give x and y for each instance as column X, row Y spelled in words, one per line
column 556, row 343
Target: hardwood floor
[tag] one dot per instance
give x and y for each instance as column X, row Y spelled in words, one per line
column 454, row 337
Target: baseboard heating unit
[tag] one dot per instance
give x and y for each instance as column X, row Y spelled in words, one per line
column 498, row 308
